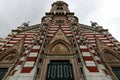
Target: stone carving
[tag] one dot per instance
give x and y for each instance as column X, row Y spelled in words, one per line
column 94, row 24
column 25, row 24
column 59, row 49
column 72, row 19
column 47, row 19
column 10, row 57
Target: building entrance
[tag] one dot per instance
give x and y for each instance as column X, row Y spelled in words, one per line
column 59, row 70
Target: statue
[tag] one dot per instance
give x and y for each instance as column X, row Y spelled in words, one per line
column 94, row 24
column 25, row 24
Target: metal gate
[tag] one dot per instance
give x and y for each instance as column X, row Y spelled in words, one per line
column 59, row 70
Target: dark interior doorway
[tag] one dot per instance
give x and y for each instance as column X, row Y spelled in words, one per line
column 116, row 71
column 3, row 71
column 59, row 70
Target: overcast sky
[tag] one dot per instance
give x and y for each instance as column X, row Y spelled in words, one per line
column 105, row 12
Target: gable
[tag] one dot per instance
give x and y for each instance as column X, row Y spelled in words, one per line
column 60, row 36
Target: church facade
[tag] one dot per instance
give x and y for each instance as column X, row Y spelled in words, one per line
column 60, row 48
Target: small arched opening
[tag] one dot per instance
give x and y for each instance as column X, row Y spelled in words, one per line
column 7, row 61
column 112, row 63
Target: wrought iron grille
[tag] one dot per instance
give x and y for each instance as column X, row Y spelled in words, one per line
column 59, row 70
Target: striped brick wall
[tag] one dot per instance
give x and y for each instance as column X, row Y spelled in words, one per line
column 92, row 66
column 26, row 66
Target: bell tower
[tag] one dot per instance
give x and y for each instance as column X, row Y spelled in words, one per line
column 59, row 6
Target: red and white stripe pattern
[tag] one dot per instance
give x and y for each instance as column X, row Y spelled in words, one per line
column 93, row 65
column 52, row 30
column 99, row 63
column 66, row 30
column 3, row 44
column 110, row 41
column 31, row 59
column 89, row 61
column 26, row 65
column 20, row 64
column 117, row 44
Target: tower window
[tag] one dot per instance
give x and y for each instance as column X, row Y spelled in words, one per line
column 116, row 71
column 59, row 8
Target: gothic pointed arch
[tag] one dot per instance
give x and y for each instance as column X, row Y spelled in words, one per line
column 110, row 58
column 59, row 47
column 109, row 55
column 105, row 51
column 9, row 58
column 12, row 54
column 60, row 35
column 112, row 62
column 59, row 44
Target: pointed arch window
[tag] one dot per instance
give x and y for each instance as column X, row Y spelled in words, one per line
column 113, row 62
